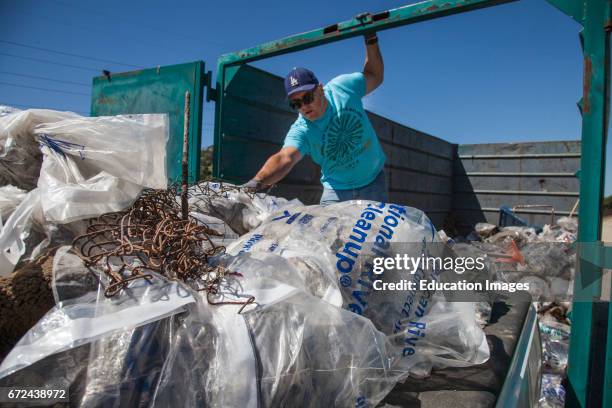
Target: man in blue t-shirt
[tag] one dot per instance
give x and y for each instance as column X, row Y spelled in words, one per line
column 333, row 128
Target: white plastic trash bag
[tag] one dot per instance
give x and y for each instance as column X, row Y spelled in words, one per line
column 130, row 147
column 313, row 354
column 338, row 242
column 98, row 165
column 21, row 230
column 70, row 192
column 79, row 321
column 26, row 234
column 20, row 157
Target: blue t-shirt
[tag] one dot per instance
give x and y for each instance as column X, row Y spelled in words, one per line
column 342, row 141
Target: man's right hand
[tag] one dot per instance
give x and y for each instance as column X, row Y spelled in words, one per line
column 253, row 186
column 275, row 168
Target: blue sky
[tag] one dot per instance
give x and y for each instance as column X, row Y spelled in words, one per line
column 509, row 73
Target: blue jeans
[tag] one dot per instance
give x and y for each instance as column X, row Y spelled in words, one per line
column 375, row 191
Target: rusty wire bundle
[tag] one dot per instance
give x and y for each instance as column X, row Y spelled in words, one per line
column 151, row 236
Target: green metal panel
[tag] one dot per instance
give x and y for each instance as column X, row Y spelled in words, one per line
column 573, row 8
column 255, row 118
column 158, row 90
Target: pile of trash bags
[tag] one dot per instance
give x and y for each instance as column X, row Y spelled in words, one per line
column 161, row 343
column 547, row 261
column 295, row 314
column 301, row 338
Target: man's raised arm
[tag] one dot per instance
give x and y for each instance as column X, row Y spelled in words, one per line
column 374, row 69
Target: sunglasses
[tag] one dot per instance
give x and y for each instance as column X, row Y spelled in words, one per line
column 305, row 100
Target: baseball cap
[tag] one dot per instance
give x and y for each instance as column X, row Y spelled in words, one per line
column 300, row 79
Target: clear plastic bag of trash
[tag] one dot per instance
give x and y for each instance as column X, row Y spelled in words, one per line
column 555, row 331
column 555, row 346
column 565, row 230
column 552, row 391
column 97, row 165
column 538, row 288
column 520, row 235
column 568, row 223
column 20, row 157
column 242, row 211
column 22, row 233
column 547, row 265
column 484, row 229
column 71, row 192
column 289, row 347
column 547, row 260
column 131, row 147
column 561, row 289
column 328, row 356
column 340, row 241
column 74, row 322
column 558, row 234
column 295, row 352
column 343, row 239
column 26, row 233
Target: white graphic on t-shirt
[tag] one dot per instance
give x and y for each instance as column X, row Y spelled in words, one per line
column 343, row 137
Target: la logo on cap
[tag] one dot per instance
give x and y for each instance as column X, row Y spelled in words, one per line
column 294, row 82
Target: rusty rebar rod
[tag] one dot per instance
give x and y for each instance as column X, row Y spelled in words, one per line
column 184, row 203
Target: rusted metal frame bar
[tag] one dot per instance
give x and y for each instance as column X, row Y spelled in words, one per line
column 360, row 25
